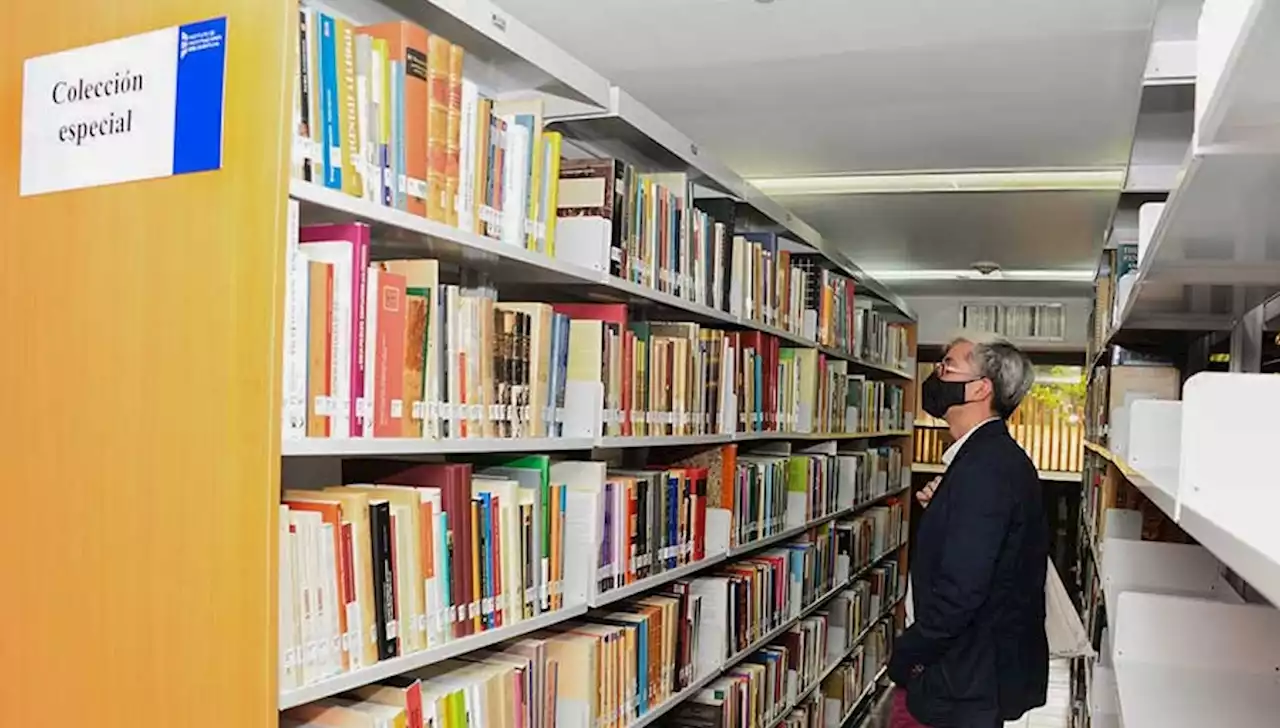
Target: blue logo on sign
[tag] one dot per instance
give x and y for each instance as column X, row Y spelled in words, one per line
column 197, row 127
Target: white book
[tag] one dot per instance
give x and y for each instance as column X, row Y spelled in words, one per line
column 371, row 354
column 466, row 201
column 307, row 607
column 290, row 669
column 297, row 295
column 332, row 646
column 515, row 183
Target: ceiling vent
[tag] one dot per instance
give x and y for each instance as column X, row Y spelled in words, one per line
column 1041, row 322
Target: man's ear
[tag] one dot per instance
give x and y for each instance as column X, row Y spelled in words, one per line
column 981, row 390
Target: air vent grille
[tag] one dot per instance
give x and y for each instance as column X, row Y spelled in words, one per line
column 1017, row 321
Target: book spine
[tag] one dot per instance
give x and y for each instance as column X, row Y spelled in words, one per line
column 331, row 144
column 453, row 134
column 348, row 110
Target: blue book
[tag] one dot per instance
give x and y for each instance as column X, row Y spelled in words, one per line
column 673, row 519
column 331, row 142
column 397, row 121
column 487, row 580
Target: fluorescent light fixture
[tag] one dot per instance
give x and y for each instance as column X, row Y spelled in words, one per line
column 969, row 274
column 1041, row 180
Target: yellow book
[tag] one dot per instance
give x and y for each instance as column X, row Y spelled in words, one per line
column 484, row 114
column 406, row 505
column 453, row 135
column 551, row 142
column 382, row 72
column 437, row 125
column 352, row 179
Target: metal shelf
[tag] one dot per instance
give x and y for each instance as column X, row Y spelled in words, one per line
column 396, row 446
column 416, row 660
column 1060, row 476
column 396, row 232
column 628, row 129
column 1238, row 59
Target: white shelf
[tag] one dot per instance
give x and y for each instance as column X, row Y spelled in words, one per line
column 1238, row 62
column 417, row 660
column 1190, row 663
column 751, row 546
column 630, row 590
column 1224, row 492
column 362, row 446
column 826, row 671
column 665, row 577
column 628, row 129
column 1213, row 232
column 677, row 698
column 389, row 446
column 1050, row 475
column 1215, row 229
column 1153, row 567
column 503, row 55
column 400, row 233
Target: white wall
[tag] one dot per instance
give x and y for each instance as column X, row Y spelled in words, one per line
column 939, row 317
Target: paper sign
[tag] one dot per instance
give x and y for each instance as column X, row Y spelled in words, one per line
column 133, row 108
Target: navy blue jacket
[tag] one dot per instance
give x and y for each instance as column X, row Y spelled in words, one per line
column 978, row 569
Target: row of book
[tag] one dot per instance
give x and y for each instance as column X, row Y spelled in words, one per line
column 606, row 669
column 385, row 349
column 815, row 672
column 413, row 556
column 769, row 490
column 406, row 557
column 516, row 685
column 383, row 113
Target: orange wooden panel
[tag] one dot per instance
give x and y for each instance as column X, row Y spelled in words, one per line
column 139, row 450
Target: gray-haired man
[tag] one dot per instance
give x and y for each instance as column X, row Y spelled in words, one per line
column 976, row 654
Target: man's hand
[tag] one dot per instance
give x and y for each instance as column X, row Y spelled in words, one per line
column 925, row 494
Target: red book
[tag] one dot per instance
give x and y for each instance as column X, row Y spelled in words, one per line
column 628, row 354
column 614, row 313
column 385, row 381
column 699, row 476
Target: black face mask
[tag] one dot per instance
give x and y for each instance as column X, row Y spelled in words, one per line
column 937, row 395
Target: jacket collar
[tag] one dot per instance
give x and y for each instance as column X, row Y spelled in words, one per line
column 984, row 431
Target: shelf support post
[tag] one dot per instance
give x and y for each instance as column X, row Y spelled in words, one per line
column 1246, row 341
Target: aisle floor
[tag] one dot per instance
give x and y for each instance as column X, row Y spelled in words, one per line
column 1056, row 712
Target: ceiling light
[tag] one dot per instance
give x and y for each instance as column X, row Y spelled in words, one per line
column 946, row 181
column 969, row 274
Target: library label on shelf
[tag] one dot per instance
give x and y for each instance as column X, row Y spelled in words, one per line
column 135, row 108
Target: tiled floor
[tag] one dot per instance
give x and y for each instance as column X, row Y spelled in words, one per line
column 1057, row 711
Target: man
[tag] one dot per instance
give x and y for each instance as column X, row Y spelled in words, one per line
column 976, row 654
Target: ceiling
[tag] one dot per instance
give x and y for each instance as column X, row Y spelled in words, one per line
column 835, row 87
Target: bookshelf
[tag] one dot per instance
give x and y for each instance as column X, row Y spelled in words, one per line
column 183, row 433
column 1180, row 568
